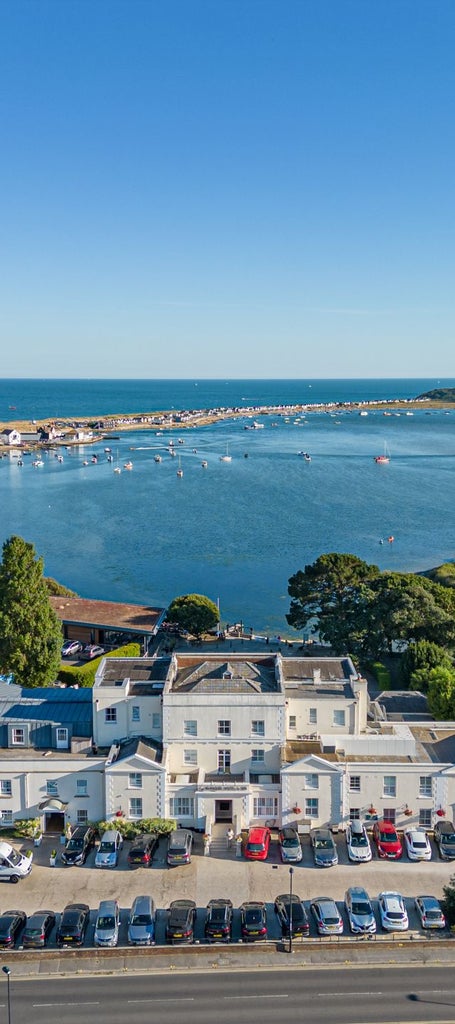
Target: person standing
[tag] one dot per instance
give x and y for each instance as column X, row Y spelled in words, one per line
column 229, row 837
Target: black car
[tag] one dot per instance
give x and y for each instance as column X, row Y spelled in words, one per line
column 77, row 848
column 38, row 929
column 11, row 925
column 180, row 922
column 142, row 849
column 300, row 922
column 253, row 921
column 444, row 836
column 73, row 925
column 218, row 923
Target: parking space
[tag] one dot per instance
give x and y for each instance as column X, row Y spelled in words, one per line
column 220, row 875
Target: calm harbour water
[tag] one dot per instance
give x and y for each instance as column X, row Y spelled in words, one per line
column 235, row 531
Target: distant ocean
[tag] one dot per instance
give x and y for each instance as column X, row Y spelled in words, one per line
column 235, row 531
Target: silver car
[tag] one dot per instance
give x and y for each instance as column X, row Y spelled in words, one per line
column 358, row 844
column 327, row 916
column 107, row 924
column 360, row 911
column 108, row 850
column 324, row 849
column 141, row 927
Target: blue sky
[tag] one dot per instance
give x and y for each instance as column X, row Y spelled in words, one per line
column 227, row 188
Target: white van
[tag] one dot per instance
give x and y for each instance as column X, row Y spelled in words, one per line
column 13, row 865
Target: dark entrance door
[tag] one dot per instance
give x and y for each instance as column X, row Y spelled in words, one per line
column 223, row 810
column 54, row 822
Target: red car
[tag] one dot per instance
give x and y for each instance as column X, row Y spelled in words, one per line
column 386, row 838
column 257, row 844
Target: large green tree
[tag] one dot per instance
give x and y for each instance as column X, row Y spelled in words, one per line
column 30, row 631
column 418, row 660
column 330, row 598
column 441, row 693
column 194, row 612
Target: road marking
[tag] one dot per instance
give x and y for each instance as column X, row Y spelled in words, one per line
column 261, row 995
column 91, row 1003
column 171, row 999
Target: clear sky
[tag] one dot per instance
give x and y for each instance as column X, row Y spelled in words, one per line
column 258, row 188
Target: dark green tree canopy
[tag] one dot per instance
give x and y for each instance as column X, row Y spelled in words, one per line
column 30, row 631
column 419, row 659
column 330, row 596
column 441, row 693
column 194, row 612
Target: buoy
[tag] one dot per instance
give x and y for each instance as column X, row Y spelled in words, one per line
column 391, row 539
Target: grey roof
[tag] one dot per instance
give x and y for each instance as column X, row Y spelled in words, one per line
column 46, row 704
column 404, row 705
column 140, row 670
column 222, row 676
column 143, row 747
column 328, row 670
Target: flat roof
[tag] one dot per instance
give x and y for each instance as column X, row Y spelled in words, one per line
column 140, row 672
column 132, row 618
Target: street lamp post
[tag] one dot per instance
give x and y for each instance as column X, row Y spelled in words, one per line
column 291, row 872
column 6, row 970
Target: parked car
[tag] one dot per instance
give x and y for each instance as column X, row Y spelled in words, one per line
column 180, row 922
column 107, row 924
column 141, row 925
column 38, row 928
column 253, row 921
column 386, row 838
column 108, row 850
column 257, row 844
column 299, row 918
column 91, row 651
column 417, row 844
column 179, row 847
column 78, row 846
column 71, row 647
column 142, row 849
column 13, row 865
column 218, row 923
column 290, row 847
column 430, row 912
column 11, row 925
column 392, row 908
column 73, row 925
column 324, row 849
column 358, row 844
column 444, row 836
column 360, row 911
column 327, row 916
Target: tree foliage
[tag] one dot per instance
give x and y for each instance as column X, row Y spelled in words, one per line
column 441, row 693
column 419, row 659
column 193, row 612
column 449, row 900
column 328, row 598
column 30, row 631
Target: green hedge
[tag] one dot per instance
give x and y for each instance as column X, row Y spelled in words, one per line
column 381, row 674
column 84, row 675
column 131, row 829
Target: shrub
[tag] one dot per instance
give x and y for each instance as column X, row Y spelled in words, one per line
column 27, row 827
column 381, row 674
column 131, row 829
column 84, row 675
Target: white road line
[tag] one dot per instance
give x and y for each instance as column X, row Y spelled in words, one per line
column 41, row 1005
column 171, row 999
column 260, row 995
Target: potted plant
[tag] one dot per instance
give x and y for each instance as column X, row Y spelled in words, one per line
column 37, row 839
column 296, row 809
column 53, row 858
column 440, row 812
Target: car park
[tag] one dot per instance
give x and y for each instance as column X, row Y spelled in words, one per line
column 142, row 849
column 11, row 924
column 298, row 919
column 13, row 865
column 430, row 912
column 387, row 841
column 417, row 844
column 108, row 851
column 218, row 923
column 141, row 924
column 444, row 837
column 358, row 843
column 91, row 651
column 180, row 922
column 71, row 648
column 38, row 929
column 324, row 850
column 359, row 911
column 78, row 846
column 253, row 921
column 107, row 924
column 179, row 846
column 73, row 925
column 392, row 909
column 327, row 916
column 290, row 846
column 257, row 843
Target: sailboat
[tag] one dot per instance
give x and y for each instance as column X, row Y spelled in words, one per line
column 180, row 470
column 383, row 459
column 227, row 457
column 117, row 468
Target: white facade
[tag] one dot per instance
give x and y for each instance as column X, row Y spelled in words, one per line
column 70, row 788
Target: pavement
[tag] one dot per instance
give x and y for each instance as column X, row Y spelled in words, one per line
column 223, row 874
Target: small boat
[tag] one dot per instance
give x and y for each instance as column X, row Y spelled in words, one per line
column 363, row 413
column 306, row 456
column 382, row 460
column 180, row 440
column 117, row 469
column 204, row 463
column 157, row 458
column 85, row 462
column 94, row 459
column 37, row 462
column 59, row 458
column 108, row 449
column 180, row 470
column 19, row 462
column 128, row 465
column 110, row 458
column 227, row 457
column 172, row 452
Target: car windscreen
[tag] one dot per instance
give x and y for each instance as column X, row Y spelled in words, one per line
column 361, row 907
column 14, row 858
column 32, row 933
column 75, row 844
column 141, row 919
column 108, row 921
column 395, row 915
column 290, row 842
column 330, row 920
column 107, row 847
column 217, row 914
column 432, row 915
column 448, row 838
column 388, row 837
column 323, row 844
column 255, row 847
column 419, row 844
column 359, row 840
column 254, row 916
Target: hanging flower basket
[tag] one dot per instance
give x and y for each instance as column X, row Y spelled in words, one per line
column 297, row 810
column 440, row 813
column 119, row 814
column 372, row 810
column 408, row 812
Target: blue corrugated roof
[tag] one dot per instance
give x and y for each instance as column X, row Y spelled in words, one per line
column 46, row 704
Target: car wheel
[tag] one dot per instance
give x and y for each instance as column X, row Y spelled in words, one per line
column 14, row 879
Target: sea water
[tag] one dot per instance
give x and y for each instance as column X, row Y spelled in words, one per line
column 236, row 530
